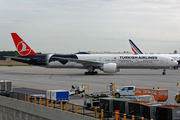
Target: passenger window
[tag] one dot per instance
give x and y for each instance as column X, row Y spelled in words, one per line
column 125, row 89
column 130, row 88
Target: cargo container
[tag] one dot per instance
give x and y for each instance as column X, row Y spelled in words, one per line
column 168, row 112
column 142, row 91
column 148, row 110
column 109, row 105
column 6, row 85
column 58, row 95
column 160, row 95
column 135, row 107
column 106, row 104
column 149, row 98
column 121, row 105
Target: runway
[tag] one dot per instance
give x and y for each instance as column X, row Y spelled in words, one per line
column 47, row 79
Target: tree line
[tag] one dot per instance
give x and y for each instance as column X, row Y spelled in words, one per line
column 9, row 53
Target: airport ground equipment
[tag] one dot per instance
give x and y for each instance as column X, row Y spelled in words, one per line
column 142, row 91
column 177, row 97
column 149, row 98
column 92, row 100
column 135, row 107
column 132, row 91
column 125, row 91
column 148, row 110
column 160, row 95
column 6, row 87
column 109, row 105
column 32, row 96
column 58, row 95
column 168, row 112
column 77, row 89
column 112, row 87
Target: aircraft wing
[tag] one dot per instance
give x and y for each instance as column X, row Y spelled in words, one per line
column 83, row 62
column 17, row 58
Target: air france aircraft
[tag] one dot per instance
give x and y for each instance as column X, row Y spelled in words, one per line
column 137, row 50
column 108, row 63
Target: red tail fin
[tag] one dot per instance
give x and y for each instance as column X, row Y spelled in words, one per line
column 21, row 46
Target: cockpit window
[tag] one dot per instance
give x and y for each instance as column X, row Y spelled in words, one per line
column 172, row 60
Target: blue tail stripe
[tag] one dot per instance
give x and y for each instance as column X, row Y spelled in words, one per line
column 135, row 47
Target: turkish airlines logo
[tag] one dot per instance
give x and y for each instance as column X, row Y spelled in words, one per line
column 23, row 49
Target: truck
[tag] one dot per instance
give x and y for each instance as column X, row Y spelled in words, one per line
column 125, row 91
column 132, row 91
column 58, row 95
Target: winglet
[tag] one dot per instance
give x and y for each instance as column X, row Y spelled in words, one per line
column 21, row 46
column 134, row 48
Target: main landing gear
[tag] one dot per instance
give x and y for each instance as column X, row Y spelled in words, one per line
column 164, row 72
column 91, row 71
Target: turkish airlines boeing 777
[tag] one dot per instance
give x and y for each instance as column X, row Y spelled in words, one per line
column 108, row 63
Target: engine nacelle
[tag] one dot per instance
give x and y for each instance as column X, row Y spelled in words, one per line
column 109, row 68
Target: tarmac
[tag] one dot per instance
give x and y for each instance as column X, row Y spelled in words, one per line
column 43, row 79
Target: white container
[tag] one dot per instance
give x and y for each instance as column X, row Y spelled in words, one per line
column 57, row 95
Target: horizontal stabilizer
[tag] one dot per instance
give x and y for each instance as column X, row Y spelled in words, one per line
column 17, row 58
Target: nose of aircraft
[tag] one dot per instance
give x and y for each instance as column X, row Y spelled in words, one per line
column 175, row 63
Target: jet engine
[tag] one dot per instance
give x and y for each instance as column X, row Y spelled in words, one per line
column 109, row 67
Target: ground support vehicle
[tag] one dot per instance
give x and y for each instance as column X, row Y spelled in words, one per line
column 177, row 97
column 125, row 91
column 58, row 95
column 38, row 96
column 92, row 100
column 77, row 89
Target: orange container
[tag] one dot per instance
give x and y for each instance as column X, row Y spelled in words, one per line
column 142, row 91
column 160, row 94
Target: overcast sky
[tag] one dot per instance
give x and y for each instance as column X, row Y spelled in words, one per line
column 69, row 26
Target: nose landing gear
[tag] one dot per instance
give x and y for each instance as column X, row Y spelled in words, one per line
column 164, row 72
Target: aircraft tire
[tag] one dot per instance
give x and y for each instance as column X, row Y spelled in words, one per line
column 91, row 73
column 164, row 73
column 96, row 72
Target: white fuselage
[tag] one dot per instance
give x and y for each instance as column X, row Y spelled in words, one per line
column 122, row 61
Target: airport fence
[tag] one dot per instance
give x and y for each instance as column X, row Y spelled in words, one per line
column 93, row 112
